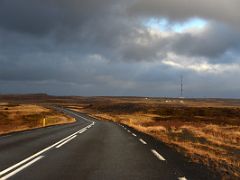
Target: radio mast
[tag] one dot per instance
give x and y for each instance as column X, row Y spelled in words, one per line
column 181, row 93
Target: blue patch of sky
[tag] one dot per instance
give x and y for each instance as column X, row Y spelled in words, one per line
column 164, row 25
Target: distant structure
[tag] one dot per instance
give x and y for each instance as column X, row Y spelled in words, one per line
column 181, row 87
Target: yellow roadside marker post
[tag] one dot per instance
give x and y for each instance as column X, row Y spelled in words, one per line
column 44, row 122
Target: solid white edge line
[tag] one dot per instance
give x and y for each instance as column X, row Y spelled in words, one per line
column 4, row 136
column 134, row 134
column 46, row 149
column 21, row 168
column 159, row 156
column 78, row 115
column 82, row 131
column 182, row 178
column 142, row 141
column 37, row 154
column 58, row 146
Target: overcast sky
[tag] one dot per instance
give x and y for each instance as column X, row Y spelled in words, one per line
column 120, row 47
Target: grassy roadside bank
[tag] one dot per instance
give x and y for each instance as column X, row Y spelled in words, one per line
column 19, row 117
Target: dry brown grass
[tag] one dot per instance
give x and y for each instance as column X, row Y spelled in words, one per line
column 207, row 132
column 19, row 117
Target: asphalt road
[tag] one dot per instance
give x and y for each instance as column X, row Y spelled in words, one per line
column 92, row 149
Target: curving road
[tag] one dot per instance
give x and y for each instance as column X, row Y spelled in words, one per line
column 92, row 149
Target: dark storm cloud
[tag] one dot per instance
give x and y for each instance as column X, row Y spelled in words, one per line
column 26, row 16
column 103, row 47
column 214, row 42
column 40, row 17
column 220, row 37
column 175, row 10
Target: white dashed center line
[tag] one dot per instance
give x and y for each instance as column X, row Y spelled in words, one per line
column 142, row 141
column 182, row 178
column 155, row 153
column 159, row 156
